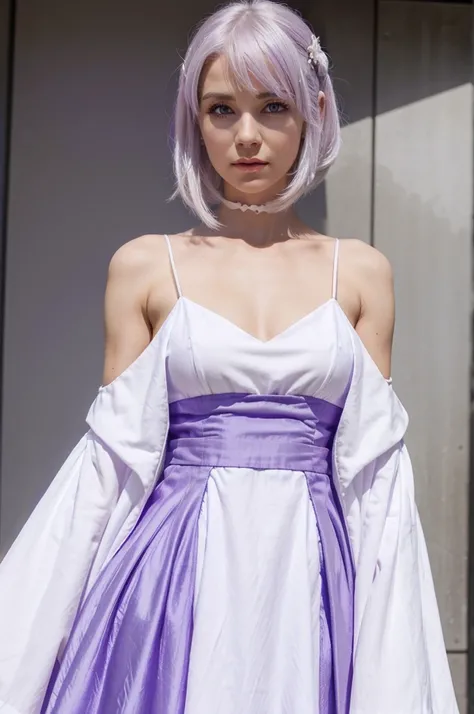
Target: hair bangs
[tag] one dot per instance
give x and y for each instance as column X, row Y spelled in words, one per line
column 269, row 58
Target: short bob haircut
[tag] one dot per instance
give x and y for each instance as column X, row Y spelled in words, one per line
column 268, row 40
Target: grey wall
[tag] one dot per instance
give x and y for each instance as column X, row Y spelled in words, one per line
column 93, row 90
column 423, row 208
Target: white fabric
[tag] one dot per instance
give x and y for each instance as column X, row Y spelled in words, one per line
column 258, row 565
column 400, row 665
column 210, row 355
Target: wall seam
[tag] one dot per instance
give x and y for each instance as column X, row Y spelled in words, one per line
column 7, row 51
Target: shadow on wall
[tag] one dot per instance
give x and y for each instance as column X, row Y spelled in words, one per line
column 427, row 46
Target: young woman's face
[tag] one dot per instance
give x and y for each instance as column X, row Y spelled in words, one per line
column 255, row 125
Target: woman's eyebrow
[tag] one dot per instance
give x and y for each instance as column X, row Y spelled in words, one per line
column 220, row 95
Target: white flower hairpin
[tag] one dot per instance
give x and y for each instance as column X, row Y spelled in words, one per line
column 317, row 56
column 314, row 49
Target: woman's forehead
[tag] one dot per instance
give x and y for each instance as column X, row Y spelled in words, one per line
column 218, row 78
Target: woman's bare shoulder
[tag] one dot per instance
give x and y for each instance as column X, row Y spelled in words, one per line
column 137, row 254
column 366, row 257
column 144, row 258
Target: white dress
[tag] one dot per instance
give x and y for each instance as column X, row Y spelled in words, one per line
column 234, row 592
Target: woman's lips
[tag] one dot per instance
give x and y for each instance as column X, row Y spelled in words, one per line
column 257, row 166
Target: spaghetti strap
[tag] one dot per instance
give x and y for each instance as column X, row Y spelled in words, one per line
column 173, row 265
column 335, row 267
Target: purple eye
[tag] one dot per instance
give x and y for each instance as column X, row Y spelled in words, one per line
column 214, row 107
column 281, row 106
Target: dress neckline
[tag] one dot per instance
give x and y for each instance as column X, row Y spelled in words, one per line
column 275, row 338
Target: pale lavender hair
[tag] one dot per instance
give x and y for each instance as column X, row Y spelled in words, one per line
column 269, row 41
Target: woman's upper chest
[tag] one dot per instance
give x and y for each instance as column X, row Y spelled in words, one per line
column 262, row 291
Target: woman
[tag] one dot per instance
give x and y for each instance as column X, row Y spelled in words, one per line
column 236, row 533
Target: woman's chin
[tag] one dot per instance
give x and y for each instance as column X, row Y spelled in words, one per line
column 255, row 185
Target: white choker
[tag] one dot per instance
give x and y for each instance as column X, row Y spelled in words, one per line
column 256, row 208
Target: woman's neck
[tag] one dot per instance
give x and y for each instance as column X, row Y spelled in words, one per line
column 258, row 228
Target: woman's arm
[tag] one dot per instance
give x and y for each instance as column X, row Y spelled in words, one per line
column 376, row 322
column 126, row 327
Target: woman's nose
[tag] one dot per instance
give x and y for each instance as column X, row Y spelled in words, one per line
column 248, row 131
